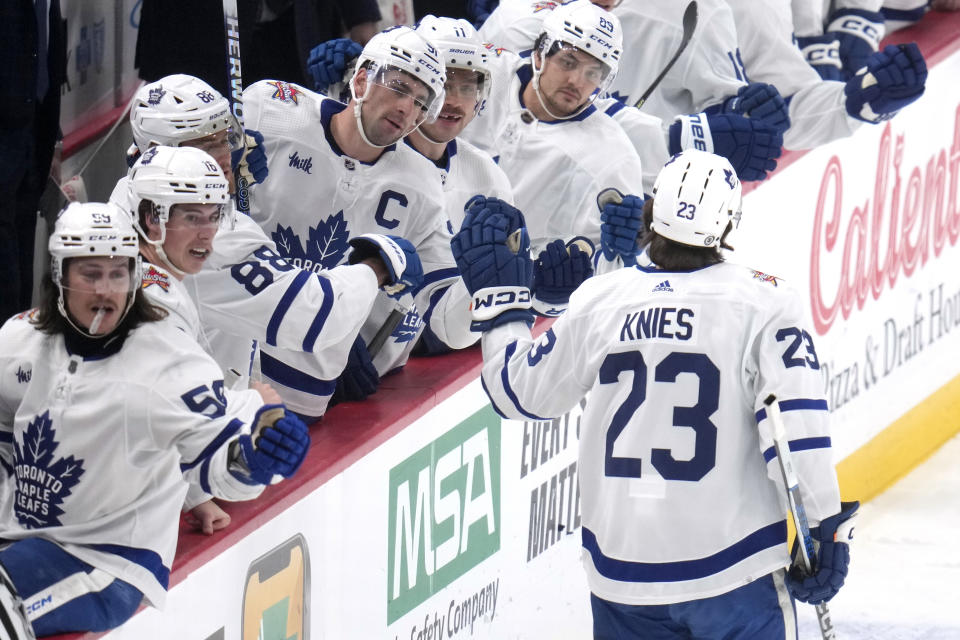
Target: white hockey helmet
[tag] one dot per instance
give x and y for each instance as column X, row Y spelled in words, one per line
column 93, row 229
column 461, row 47
column 403, row 49
column 167, row 176
column 589, row 28
column 178, row 108
column 696, row 199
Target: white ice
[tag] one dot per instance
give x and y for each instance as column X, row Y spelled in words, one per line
column 904, row 581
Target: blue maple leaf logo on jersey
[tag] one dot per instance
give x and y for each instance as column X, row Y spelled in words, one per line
column 42, row 482
column 327, row 243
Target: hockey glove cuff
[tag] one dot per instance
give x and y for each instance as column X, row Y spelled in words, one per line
column 750, row 145
column 858, row 33
column 823, row 54
column 359, row 378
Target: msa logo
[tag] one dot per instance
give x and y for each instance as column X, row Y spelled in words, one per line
column 444, row 513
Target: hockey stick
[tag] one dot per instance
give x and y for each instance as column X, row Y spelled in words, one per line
column 385, row 331
column 231, row 28
column 689, row 25
column 797, row 512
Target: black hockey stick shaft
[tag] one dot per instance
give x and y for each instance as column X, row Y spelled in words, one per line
column 689, row 26
column 231, row 29
column 386, row 329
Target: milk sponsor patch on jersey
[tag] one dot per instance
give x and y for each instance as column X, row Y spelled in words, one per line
column 43, row 481
column 325, row 248
column 763, row 277
column 155, row 276
column 285, row 92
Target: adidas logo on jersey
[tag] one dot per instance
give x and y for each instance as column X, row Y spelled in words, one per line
column 663, row 286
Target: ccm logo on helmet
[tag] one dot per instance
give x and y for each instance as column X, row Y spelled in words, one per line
column 106, row 236
column 428, row 65
column 601, row 41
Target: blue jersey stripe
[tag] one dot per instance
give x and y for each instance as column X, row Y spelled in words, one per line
column 6, row 436
column 294, row 378
column 615, row 108
column 483, row 383
column 149, row 560
column 437, row 276
column 205, row 476
column 764, row 538
column 505, row 379
column 797, row 404
column 434, row 299
column 284, row 305
column 802, row 444
column 321, row 318
column 225, row 434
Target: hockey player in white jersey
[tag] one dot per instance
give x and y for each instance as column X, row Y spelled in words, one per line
column 246, row 290
column 683, row 508
column 825, row 110
column 728, row 116
column 466, row 171
column 104, row 412
column 336, row 172
column 550, row 139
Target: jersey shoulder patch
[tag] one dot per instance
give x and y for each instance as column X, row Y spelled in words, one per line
column 154, row 276
column 765, row 277
column 285, row 92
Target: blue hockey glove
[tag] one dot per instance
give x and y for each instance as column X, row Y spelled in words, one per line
column 480, row 10
column 891, row 79
column 398, row 255
column 759, row 101
column 557, row 272
column 750, row 145
column 621, row 225
column 832, row 539
column 823, row 54
column 492, row 251
column 278, row 446
column 250, row 161
column 328, row 60
column 858, row 33
column 359, row 378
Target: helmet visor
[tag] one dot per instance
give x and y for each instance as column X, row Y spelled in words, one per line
column 403, row 86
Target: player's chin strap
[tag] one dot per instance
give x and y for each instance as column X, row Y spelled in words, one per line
column 543, row 103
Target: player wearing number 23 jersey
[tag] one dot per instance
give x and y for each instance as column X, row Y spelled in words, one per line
column 681, row 494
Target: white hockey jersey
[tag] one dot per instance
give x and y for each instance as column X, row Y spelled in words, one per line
column 316, row 199
column 556, row 168
column 248, row 292
column 681, row 495
column 709, row 69
column 95, row 451
column 515, row 25
column 467, row 171
column 818, row 112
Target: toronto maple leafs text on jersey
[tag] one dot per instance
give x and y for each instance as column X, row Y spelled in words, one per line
column 96, row 453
